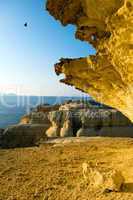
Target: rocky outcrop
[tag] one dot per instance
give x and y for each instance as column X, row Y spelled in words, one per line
column 103, row 117
column 89, row 122
column 70, row 120
column 23, row 135
column 107, row 25
column 104, row 122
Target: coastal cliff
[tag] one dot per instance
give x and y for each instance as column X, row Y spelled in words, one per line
column 108, row 27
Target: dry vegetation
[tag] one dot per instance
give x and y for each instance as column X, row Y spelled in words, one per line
column 55, row 171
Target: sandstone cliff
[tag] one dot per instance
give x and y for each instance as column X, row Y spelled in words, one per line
column 108, row 26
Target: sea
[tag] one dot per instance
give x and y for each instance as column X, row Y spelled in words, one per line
column 13, row 107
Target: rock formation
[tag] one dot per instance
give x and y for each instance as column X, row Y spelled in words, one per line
column 39, row 118
column 109, row 180
column 71, row 119
column 67, row 128
column 108, row 26
column 55, row 119
column 61, row 124
column 104, row 122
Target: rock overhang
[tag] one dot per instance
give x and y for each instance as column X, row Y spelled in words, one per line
column 108, row 26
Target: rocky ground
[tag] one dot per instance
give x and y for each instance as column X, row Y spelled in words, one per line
column 54, row 171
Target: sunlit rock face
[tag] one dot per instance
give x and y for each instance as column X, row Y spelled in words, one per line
column 108, row 26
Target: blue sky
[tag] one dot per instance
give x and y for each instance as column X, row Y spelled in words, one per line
column 27, row 55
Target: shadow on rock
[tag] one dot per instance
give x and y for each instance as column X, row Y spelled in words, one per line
column 128, row 187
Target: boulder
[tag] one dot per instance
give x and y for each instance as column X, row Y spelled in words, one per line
column 23, row 135
column 105, row 179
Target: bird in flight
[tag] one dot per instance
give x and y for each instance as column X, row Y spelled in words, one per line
column 26, row 24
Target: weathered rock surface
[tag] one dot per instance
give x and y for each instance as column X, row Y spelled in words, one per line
column 71, row 119
column 55, row 119
column 103, row 122
column 115, row 131
column 67, row 127
column 23, row 135
column 47, row 108
column 61, row 124
column 98, row 118
column 39, row 118
column 108, row 26
column 72, row 106
column 108, row 180
column 35, row 118
column 89, row 122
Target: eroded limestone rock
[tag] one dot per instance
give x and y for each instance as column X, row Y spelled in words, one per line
column 67, row 129
column 108, row 26
column 106, row 179
column 61, row 124
column 55, row 119
column 39, row 118
column 102, row 122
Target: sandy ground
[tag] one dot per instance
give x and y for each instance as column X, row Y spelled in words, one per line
column 54, row 171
